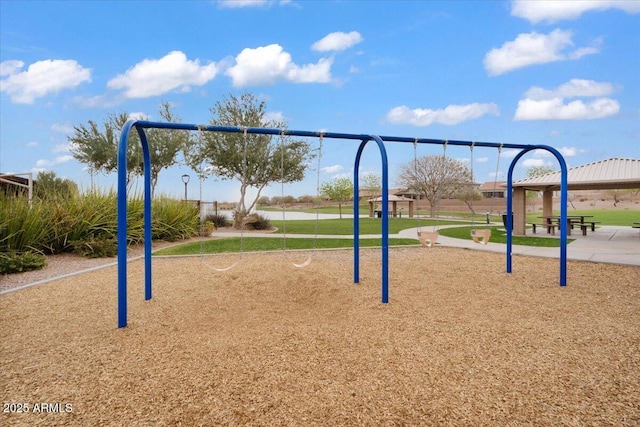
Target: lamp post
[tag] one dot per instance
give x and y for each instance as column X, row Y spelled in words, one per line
column 185, row 179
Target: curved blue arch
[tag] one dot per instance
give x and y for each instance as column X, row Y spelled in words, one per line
column 122, row 217
column 385, row 216
column 563, row 208
column 140, row 127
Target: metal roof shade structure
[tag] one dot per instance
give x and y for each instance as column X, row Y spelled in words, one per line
column 609, row 174
column 394, row 200
column 363, row 139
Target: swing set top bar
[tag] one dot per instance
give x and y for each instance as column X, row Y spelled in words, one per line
column 317, row 134
column 363, row 138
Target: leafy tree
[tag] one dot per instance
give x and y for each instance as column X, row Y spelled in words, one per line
column 288, row 200
column 435, row 177
column 254, row 160
column 306, row 199
column 533, row 172
column 165, row 144
column 618, row 194
column 468, row 195
column 339, row 190
column 48, row 186
column 263, row 201
column 371, row 181
column 98, row 148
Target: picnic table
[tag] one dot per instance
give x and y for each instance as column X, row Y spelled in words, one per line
column 553, row 221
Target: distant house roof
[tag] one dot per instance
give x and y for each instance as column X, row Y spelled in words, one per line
column 6, row 180
column 613, row 173
column 493, row 186
column 392, row 198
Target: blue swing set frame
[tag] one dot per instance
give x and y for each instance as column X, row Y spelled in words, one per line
column 380, row 141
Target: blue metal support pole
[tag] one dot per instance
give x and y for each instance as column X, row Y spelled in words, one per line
column 122, row 224
column 364, row 138
column 356, row 214
column 122, row 218
column 385, row 217
column 563, row 208
column 148, row 236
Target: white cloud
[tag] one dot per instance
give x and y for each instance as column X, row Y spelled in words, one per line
column 41, row 78
column 543, row 104
column 32, row 144
column 61, row 148
column 62, row 128
column 153, row 77
column 342, row 175
column 481, row 159
column 44, row 163
column 556, row 109
column 337, row 41
column 10, row 66
column 332, row 169
column 269, row 64
column 554, row 11
column 97, row 101
column 451, row 115
column 533, row 163
column 534, row 48
column 237, row 4
column 509, row 153
column 570, row 151
column 274, row 116
column 573, row 88
column 138, row 115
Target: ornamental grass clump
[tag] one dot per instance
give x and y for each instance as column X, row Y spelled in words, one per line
column 174, row 220
column 23, row 226
column 218, row 220
column 86, row 224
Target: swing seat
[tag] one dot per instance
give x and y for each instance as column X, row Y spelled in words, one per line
column 304, row 264
column 428, row 238
column 481, row 236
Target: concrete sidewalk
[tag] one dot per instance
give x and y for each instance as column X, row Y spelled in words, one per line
column 608, row 244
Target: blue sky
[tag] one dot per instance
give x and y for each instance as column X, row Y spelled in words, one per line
column 561, row 73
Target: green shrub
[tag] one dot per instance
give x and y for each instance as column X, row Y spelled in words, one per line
column 22, row 225
column 206, row 228
column 218, row 220
column 78, row 219
column 64, row 224
column 258, row 222
column 16, row 262
column 173, row 219
column 98, row 247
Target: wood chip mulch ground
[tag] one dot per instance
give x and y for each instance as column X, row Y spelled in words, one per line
column 460, row 343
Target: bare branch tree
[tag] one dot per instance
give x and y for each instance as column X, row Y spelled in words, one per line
column 435, row 177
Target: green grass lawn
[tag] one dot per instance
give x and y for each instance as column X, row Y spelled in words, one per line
column 364, row 210
column 498, row 236
column 605, row 217
column 255, row 244
column 344, row 226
